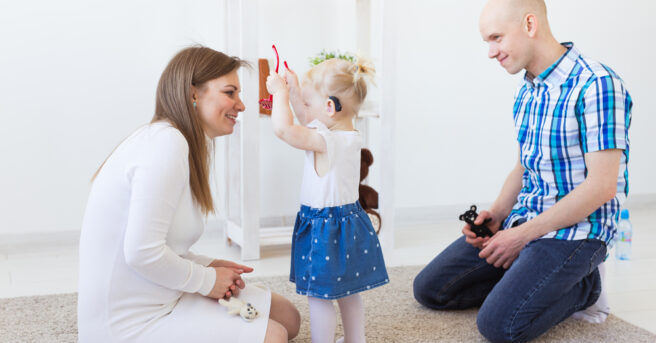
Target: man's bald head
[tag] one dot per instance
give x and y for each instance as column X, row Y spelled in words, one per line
column 515, row 11
column 515, row 30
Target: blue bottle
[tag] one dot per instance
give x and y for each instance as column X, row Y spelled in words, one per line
column 624, row 233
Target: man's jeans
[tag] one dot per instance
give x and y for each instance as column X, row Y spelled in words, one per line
column 549, row 280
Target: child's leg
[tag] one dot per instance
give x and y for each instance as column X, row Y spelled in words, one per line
column 352, row 312
column 322, row 320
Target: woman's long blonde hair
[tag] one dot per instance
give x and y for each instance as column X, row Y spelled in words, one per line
column 343, row 79
column 193, row 66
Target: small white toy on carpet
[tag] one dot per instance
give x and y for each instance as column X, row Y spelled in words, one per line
column 236, row 306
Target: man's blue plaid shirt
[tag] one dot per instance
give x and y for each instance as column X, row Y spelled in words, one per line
column 574, row 107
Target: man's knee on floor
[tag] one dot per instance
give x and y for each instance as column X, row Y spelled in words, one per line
column 425, row 291
column 491, row 326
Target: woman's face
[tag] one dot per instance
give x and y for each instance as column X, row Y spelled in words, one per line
column 218, row 104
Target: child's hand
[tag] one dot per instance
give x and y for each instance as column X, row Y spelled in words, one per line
column 275, row 83
column 292, row 79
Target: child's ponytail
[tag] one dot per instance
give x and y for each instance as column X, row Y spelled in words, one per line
column 364, row 69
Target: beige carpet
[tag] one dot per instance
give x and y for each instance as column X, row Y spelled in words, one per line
column 392, row 316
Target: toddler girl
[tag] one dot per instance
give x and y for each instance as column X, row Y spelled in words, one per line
column 335, row 251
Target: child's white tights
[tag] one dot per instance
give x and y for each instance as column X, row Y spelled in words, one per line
column 323, row 319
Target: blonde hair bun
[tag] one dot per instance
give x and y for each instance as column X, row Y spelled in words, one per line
column 364, row 68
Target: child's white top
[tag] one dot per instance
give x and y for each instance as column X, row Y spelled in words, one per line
column 339, row 186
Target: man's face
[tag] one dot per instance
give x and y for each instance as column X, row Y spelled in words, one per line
column 508, row 42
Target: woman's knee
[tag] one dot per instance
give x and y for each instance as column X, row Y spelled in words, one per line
column 285, row 313
column 275, row 333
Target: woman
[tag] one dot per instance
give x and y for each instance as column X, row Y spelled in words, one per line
column 138, row 280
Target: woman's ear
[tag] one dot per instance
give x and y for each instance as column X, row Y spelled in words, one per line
column 194, row 93
column 330, row 108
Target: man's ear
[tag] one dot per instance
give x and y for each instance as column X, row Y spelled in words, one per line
column 531, row 25
column 330, row 108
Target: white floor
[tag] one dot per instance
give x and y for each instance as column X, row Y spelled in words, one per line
column 50, row 266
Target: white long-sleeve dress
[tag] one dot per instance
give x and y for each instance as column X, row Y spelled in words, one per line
column 138, row 280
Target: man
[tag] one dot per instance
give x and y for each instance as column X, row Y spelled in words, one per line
column 557, row 211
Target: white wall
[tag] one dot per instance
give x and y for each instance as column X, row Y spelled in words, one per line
column 456, row 140
column 78, row 76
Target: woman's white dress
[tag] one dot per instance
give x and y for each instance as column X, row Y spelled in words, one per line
column 138, row 280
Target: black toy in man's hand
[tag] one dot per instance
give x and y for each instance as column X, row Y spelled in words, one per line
column 480, row 230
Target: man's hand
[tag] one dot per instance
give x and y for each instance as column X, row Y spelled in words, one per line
column 502, row 249
column 470, row 236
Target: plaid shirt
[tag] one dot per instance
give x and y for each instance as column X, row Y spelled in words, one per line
column 574, row 107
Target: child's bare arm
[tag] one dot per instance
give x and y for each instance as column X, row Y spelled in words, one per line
column 296, row 97
column 297, row 136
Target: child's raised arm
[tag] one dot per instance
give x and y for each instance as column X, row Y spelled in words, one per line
column 297, row 136
column 296, row 97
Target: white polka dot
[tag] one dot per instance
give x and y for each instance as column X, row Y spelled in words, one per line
column 374, row 268
column 357, row 216
column 371, row 233
column 310, row 258
column 386, row 280
column 325, row 295
column 327, row 258
column 315, row 240
column 302, row 257
column 313, row 278
column 377, row 245
column 330, row 215
column 304, row 278
column 348, row 292
column 339, row 279
column 366, row 251
column 357, row 274
column 351, row 212
column 347, row 255
column 368, row 287
column 343, row 219
column 353, row 237
column 335, row 241
column 325, row 220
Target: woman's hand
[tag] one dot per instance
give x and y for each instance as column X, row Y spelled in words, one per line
column 240, row 268
column 226, row 283
column 275, row 83
column 493, row 225
column 237, row 268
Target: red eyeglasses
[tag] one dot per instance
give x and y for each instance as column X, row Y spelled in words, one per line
column 268, row 103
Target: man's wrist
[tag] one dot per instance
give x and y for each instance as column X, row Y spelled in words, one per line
column 533, row 230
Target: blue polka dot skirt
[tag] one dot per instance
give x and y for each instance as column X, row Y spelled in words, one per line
column 335, row 252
